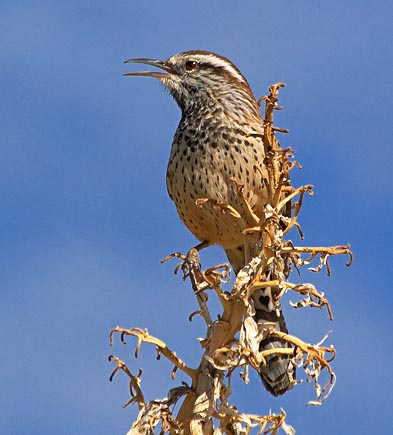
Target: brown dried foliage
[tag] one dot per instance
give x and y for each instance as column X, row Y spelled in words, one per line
column 232, row 341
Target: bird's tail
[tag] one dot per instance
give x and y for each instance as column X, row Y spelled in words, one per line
column 279, row 373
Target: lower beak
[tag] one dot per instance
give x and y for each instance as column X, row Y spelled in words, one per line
column 161, row 64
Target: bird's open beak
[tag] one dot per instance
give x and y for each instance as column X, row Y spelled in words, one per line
column 162, row 64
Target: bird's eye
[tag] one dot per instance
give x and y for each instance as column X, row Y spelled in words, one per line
column 190, row 65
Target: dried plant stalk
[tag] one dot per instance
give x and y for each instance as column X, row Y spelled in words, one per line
column 232, row 341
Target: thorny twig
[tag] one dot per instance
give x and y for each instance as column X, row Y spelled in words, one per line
column 200, row 280
column 144, row 337
column 135, row 390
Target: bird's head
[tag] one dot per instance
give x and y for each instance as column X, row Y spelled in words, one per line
column 198, row 79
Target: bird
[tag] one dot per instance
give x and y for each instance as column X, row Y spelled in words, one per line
column 219, row 138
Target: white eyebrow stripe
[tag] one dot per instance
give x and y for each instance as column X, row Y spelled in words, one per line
column 221, row 63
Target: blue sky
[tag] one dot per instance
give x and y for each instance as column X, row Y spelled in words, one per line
column 85, row 218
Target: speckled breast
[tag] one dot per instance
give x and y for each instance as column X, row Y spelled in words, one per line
column 201, row 164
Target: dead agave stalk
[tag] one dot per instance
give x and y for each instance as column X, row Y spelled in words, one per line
column 232, row 341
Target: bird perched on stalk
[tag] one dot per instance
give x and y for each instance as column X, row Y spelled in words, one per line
column 219, row 138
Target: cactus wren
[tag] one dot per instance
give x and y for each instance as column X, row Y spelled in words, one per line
column 220, row 136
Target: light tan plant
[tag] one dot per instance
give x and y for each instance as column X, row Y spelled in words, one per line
column 232, row 341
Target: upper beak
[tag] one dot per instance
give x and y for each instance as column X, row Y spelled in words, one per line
column 162, row 64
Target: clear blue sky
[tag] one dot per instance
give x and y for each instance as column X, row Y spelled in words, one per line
column 85, row 218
